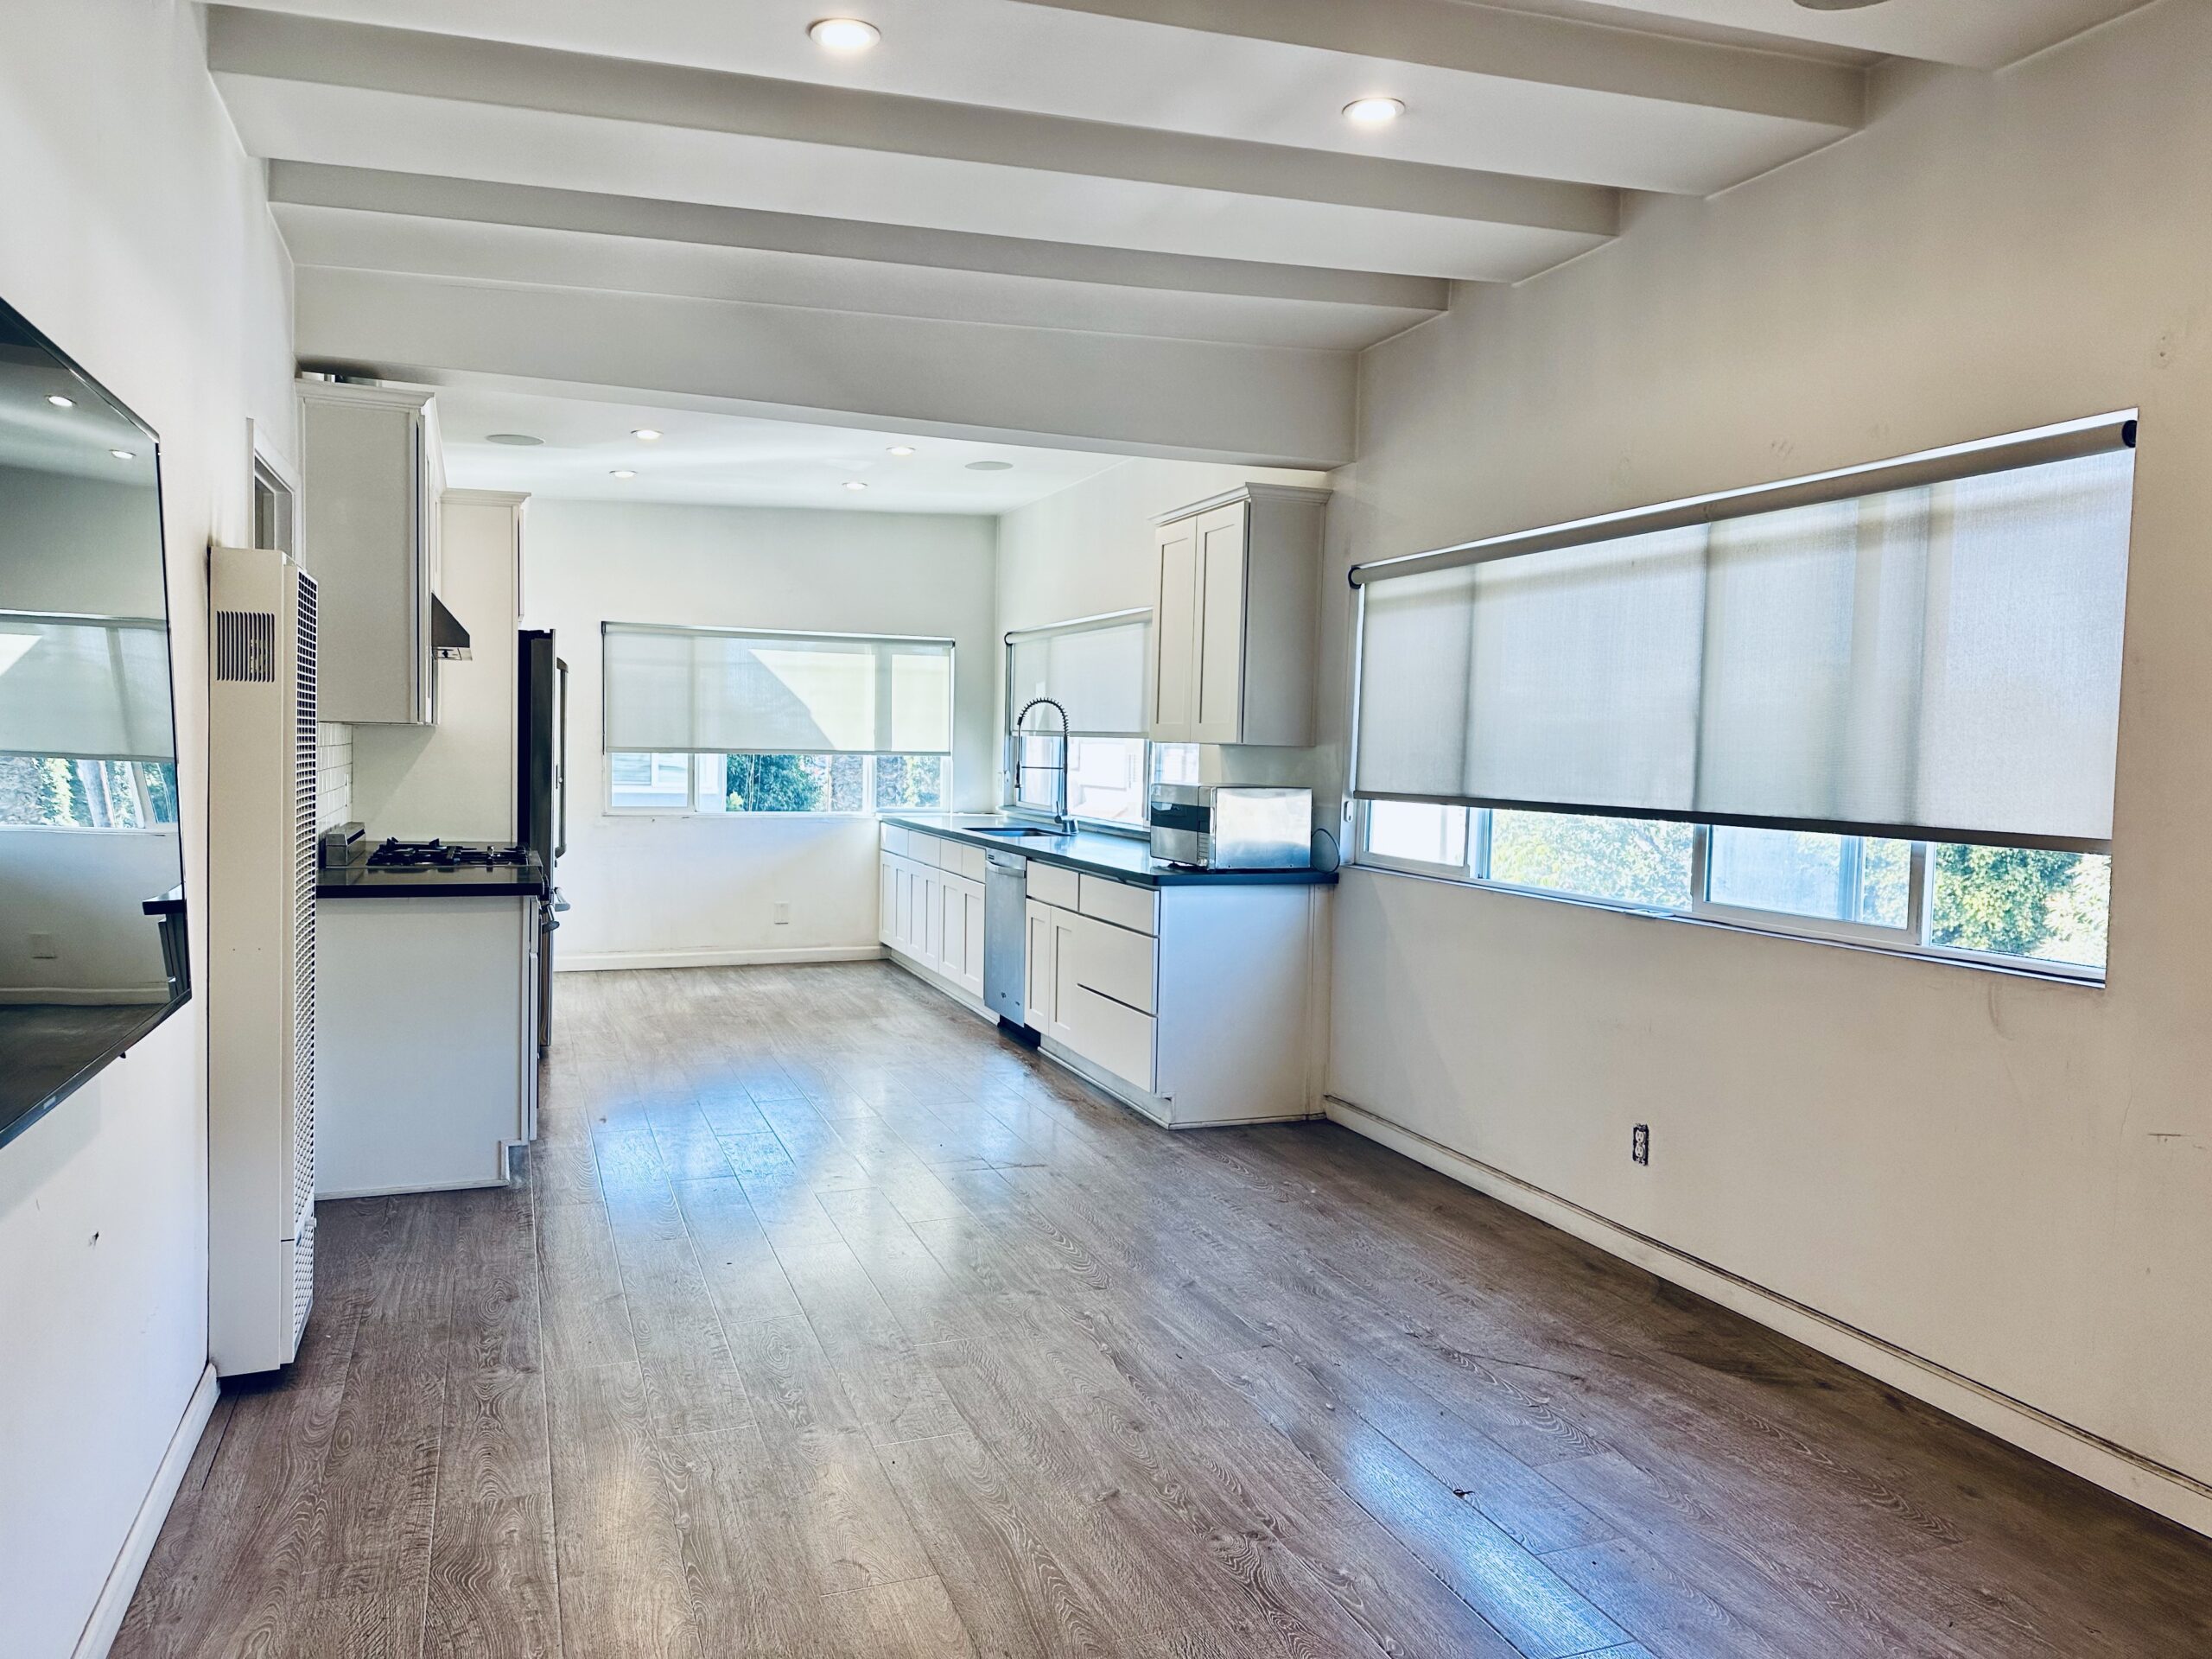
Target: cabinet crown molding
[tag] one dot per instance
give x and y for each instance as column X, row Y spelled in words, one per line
column 1245, row 493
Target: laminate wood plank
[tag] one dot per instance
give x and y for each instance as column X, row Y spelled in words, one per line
column 689, row 1148
column 586, row 1322
column 1011, row 1590
column 692, row 1385
column 494, row 1323
column 911, row 1620
column 920, row 1295
column 493, row 1589
column 252, row 1533
column 563, row 1173
column 623, row 1588
column 896, row 1396
column 1526, row 1601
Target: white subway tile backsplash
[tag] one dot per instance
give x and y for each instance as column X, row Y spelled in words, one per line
column 333, row 782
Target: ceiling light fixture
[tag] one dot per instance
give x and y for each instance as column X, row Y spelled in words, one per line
column 844, row 34
column 902, row 448
column 518, row 439
column 1837, row 5
column 59, row 401
column 124, row 454
column 854, row 484
column 621, row 472
column 644, row 435
column 990, row 466
column 1374, row 111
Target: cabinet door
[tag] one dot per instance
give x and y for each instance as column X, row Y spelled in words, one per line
column 1067, row 965
column 1175, row 634
column 1038, row 976
column 928, row 940
column 886, row 901
column 904, row 936
column 951, row 957
column 971, row 967
column 1218, row 716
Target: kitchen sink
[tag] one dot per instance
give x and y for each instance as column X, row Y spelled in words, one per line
column 1013, row 832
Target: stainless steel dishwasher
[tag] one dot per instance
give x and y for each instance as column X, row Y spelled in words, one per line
column 1006, row 900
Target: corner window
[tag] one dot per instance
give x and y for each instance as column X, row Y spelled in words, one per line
column 750, row 784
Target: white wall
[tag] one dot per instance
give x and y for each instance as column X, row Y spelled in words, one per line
column 2013, row 1178
column 85, row 887
column 455, row 780
column 137, row 236
column 671, row 890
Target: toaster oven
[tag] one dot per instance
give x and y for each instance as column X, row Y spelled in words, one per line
column 1231, row 826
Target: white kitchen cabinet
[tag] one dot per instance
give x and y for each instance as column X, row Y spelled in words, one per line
column 371, row 477
column 929, row 909
column 1236, row 615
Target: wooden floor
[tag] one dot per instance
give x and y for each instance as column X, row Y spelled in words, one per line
column 829, row 1323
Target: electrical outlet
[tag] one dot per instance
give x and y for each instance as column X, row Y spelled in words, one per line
column 1639, row 1144
column 783, row 915
column 43, row 949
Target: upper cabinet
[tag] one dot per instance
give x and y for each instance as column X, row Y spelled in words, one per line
column 1235, row 618
column 373, row 476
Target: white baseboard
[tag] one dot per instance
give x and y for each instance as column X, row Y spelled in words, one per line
column 614, row 960
column 114, row 1601
column 2179, row 1496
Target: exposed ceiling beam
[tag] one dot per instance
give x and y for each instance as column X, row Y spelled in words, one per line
column 1522, row 46
column 453, row 70
column 377, row 191
column 1201, row 400
column 1970, row 34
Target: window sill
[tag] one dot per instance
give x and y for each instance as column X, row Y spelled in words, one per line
column 2020, row 968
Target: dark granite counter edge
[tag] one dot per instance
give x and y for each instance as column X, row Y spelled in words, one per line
column 1146, row 875
column 396, row 884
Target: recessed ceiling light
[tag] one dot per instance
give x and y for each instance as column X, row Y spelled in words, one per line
column 124, row 454
column 1373, row 111
column 59, row 401
column 990, row 466
column 902, row 448
column 844, row 34
column 520, row 440
column 854, row 484
column 621, row 472
column 644, row 435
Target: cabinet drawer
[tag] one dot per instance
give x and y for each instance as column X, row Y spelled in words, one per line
column 1114, row 962
column 1117, row 902
column 975, row 862
column 1107, row 1034
column 926, row 850
column 1051, row 884
column 894, row 840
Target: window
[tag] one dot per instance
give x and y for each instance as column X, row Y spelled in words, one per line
column 55, row 792
column 1096, row 670
column 1992, row 904
column 1881, row 705
column 720, row 721
column 752, row 784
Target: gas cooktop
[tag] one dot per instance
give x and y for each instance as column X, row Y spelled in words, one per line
column 396, row 854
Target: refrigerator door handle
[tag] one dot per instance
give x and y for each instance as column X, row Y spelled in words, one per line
column 561, row 770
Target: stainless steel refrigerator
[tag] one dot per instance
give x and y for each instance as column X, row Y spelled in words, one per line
column 542, row 792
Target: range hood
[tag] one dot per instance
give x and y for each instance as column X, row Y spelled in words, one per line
column 448, row 639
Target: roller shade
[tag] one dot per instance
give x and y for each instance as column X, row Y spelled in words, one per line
column 1095, row 669
column 85, row 688
column 714, row 691
column 1939, row 660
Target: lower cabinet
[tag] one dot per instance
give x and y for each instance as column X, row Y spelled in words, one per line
column 1090, row 989
column 931, row 913
column 1192, row 1003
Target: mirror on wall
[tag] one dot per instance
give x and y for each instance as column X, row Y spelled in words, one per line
column 92, row 903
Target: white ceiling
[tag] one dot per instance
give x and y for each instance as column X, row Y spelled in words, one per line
column 1011, row 180
column 710, row 458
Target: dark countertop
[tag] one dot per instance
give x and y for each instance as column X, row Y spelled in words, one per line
column 1121, row 857
column 525, row 880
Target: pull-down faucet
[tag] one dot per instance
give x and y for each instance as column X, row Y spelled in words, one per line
column 1061, row 816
